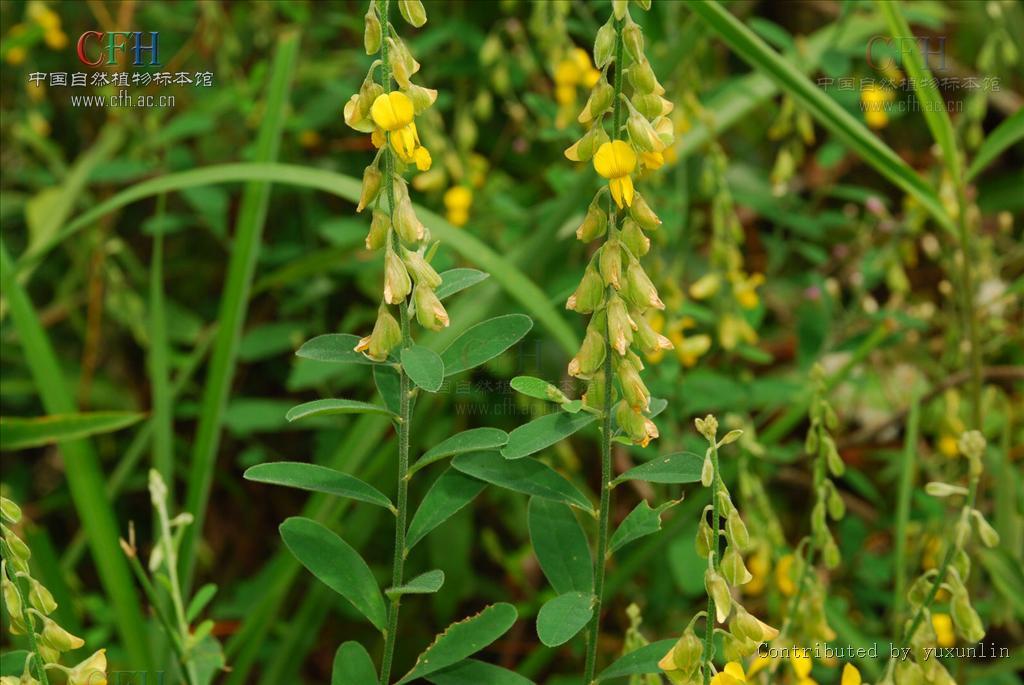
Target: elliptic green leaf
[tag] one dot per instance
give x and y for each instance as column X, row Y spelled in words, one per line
column 333, row 347
column 537, row 388
column 463, row 639
column 473, row 672
column 560, row 545
column 449, row 493
column 336, row 565
column 473, row 440
column 528, row 476
column 353, row 666
column 17, row 433
column 484, row 342
column 643, row 660
column 681, row 467
column 199, row 601
column 328, row 407
column 423, row 584
column 564, row 616
column 317, row 478
column 543, row 432
column 424, row 367
column 13, row 663
column 457, row 280
column 640, row 522
column 389, row 385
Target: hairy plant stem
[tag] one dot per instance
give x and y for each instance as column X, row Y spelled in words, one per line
column 594, row 629
column 405, row 404
column 37, row 667
column 171, row 561
column 708, row 654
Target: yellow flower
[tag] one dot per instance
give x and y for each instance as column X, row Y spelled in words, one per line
column 422, row 157
column 759, row 664
column 851, row 676
column 92, row 671
column 948, row 446
column 873, row 101
column 731, row 675
column 616, row 160
column 458, row 200
column 309, row 138
column 705, row 286
column 759, row 565
column 733, row 329
column 944, row 632
column 688, row 348
column 744, row 289
column 800, row 661
column 782, row 575
column 392, row 111
column 15, row 55
column 55, row 39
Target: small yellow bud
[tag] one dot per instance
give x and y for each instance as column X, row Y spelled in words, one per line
column 92, row 671
column 598, row 103
column 584, row 148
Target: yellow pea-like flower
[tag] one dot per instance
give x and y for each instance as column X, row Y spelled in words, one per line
column 616, row 160
column 800, row 660
column 731, row 675
column 392, row 111
column 457, row 201
column 944, row 633
column 851, row 676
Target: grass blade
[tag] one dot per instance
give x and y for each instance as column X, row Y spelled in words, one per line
column 906, row 486
column 245, row 249
column 1009, row 132
column 157, row 362
column 824, row 109
column 17, row 433
column 85, row 478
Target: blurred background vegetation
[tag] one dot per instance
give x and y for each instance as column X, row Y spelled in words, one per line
column 780, row 248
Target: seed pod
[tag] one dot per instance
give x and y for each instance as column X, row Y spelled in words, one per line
column 420, row 270
column 589, row 293
column 595, row 223
column 380, row 224
column 620, row 325
column 396, row 279
column 10, row 511
column 733, row 568
column 372, row 32
column 633, row 39
column 590, row 356
column 633, row 238
column 718, row 590
column 429, row 311
column 371, row 187
column 610, row 263
column 412, row 11
column 604, row 45
column 642, row 213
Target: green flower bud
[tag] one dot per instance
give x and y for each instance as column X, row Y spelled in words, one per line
column 584, row 148
column 40, row 597
column 972, row 444
column 380, row 224
column 919, row 590
column 17, row 546
column 708, row 427
column 687, row 651
column 595, row 223
column 12, row 598
column 604, row 45
column 649, row 340
column 962, row 564
column 598, row 103
column 386, row 335
column 48, row 654
column 55, row 637
column 831, row 554
column 589, row 293
column 611, row 263
column 737, row 531
column 988, row 534
column 965, row 619
column 718, row 590
column 619, row 8
column 368, row 92
column 620, row 325
column 819, row 525
column 642, row 213
column 705, row 540
column 422, row 98
column 634, row 239
column 639, row 290
column 640, row 429
column 653, row 106
column 420, row 270
column 733, row 568
column 594, row 396
column 371, row 186
column 811, row 441
column 735, row 649
column 641, row 77
column 429, row 311
column 372, row 32
column 10, row 511
column 589, row 359
column 641, row 133
column 707, row 470
column 634, row 392
column 406, row 223
column 835, row 463
column 412, row 11
column 633, row 39
column 402, row 63
column 396, row 279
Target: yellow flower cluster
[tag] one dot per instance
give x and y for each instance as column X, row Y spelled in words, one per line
column 573, row 70
column 29, row 606
column 45, row 22
column 389, row 116
column 874, row 101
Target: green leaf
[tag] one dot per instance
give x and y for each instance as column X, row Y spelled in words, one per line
column 336, row 565
column 353, row 666
column 457, row 280
column 463, row 639
column 424, row 367
column 484, row 342
column 640, row 522
column 423, row 584
column 389, row 385
column 17, row 433
column 532, row 387
column 829, row 113
column 560, row 545
column 315, row 478
column 199, row 601
column 543, row 432
column 450, row 492
column 473, row 672
column 1007, row 133
column 643, row 660
column 13, row 663
column 328, row 407
column 208, row 658
column 334, row 347
column 528, row 476
column 473, row 440
column 564, row 616
column 572, row 407
column 681, row 467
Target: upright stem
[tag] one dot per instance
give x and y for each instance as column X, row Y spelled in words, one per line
column 716, row 556
column 969, row 316
column 405, row 403
column 594, row 629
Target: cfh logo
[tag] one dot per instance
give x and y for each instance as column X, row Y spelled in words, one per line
column 904, row 46
column 96, row 48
